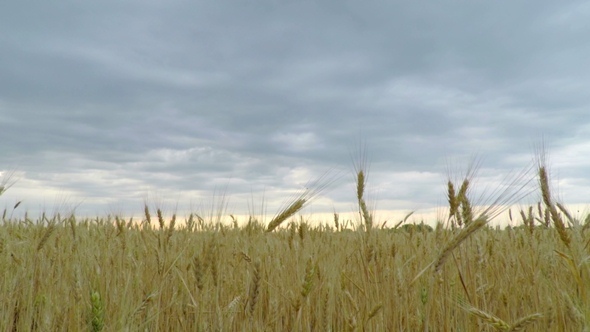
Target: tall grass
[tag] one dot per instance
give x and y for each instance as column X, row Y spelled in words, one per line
column 113, row 274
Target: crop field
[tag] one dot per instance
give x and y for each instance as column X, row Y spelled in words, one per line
column 60, row 273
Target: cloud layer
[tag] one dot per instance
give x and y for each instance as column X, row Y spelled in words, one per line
column 109, row 104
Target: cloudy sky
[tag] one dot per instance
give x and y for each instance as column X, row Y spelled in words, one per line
column 104, row 105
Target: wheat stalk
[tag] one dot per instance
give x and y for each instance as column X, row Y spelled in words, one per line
column 97, row 312
column 286, row 213
column 463, row 189
column 325, row 307
column 452, row 199
column 360, row 184
column 308, row 279
column 302, row 231
column 48, row 231
column 148, row 217
column 198, row 270
column 360, row 168
column 366, row 215
column 211, row 260
column 522, row 323
column 313, row 189
column 254, row 288
column 160, row 218
column 144, row 304
column 374, row 312
column 458, row 239
column 490, row 319
column 466, row 210
column 170, row 229
column 546, row 194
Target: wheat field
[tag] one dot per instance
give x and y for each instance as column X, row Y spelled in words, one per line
column 61, row 273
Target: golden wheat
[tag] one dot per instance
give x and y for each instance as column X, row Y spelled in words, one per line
column 458, row 239
column 106, row 274
column 254, row 287
column 286, row 213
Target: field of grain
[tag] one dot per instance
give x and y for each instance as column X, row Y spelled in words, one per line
column 60, row 273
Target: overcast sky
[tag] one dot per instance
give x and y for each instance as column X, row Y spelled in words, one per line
column 106, row 104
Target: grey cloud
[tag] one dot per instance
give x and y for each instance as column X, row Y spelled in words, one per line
column 127, row 97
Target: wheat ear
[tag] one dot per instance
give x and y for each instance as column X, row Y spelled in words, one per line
column 520, row 324
column 254, row 288
column 286, row 213
column 494, row 321
column 97, row 312
column 148, row 217
column 458, row 239
column 546, row 194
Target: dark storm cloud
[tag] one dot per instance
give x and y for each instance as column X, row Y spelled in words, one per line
column 111, row 100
